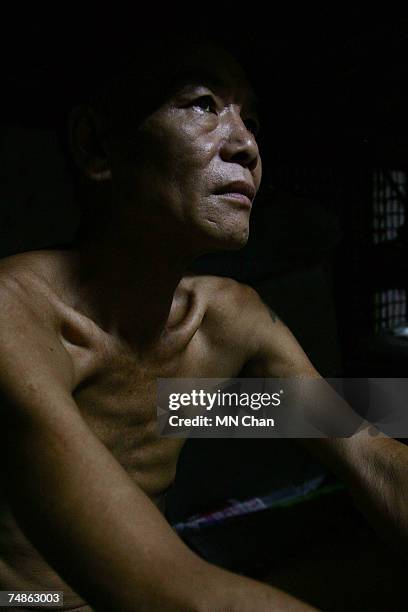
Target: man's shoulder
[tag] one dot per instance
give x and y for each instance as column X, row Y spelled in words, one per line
column 34, row 278
column 20, row 289
column 230, row 309
column 236, row 317
column 31, row 295
column 42, row 263
column 29, row 341
column 224, row 296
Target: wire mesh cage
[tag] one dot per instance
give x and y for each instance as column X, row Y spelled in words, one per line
column 389, row 212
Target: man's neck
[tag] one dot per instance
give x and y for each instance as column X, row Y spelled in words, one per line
column 128, row 286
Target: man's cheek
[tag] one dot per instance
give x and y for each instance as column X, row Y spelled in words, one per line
column 198, row 156
column 192, row 161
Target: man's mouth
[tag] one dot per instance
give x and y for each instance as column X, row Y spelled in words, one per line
column 238, row 190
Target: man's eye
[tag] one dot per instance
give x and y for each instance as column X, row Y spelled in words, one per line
column 206, row 104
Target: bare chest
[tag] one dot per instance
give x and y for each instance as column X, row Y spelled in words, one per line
column 118, row 401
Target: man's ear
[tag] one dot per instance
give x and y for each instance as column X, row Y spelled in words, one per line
column 88, row 145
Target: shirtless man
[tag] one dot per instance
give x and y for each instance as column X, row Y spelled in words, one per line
column 85, row 333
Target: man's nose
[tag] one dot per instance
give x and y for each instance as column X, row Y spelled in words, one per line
column 239, row 145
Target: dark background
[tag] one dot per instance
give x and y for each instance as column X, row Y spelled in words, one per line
column 328, row 245
column 328, row 239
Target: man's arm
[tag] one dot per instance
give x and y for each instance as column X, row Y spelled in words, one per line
column 82, row 511
column 375, row 469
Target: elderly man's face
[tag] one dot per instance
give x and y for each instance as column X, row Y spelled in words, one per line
column 196, row 166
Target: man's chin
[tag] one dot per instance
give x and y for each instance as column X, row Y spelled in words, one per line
column 234, row 244
column 226, row 240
